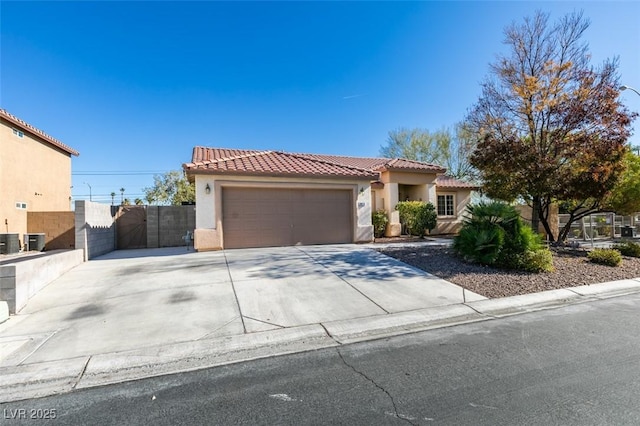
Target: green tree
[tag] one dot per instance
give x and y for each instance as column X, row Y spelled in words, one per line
column 170, row 188
column 625, row 197
column 138, row 202
column 442, row 147
column 550, row 126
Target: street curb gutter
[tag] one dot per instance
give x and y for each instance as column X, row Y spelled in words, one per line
column 54, row 377
column 48, row 378
column 381, row 326
column 195, row 355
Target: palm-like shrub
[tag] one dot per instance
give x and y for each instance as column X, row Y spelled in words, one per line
column 479, row 244
column 494, row 234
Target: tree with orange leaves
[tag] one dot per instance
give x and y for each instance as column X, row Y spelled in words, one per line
column 550, row 126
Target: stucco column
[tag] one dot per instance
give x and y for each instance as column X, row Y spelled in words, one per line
column 364, row 228
column 206, row 235
column 394, row 228
column 431, row 194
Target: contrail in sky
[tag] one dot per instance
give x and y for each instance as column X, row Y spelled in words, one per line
column 353, row 96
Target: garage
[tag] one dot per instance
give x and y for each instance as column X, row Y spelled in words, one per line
column 270, row 217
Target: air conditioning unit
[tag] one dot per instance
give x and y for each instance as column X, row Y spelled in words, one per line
column 34, row 242
column 9, row 243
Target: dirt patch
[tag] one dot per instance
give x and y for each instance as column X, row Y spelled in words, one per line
column 572, row 268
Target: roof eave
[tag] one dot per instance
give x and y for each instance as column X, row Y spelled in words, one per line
column 412, row 170
column 198, row 171
column 38, row 133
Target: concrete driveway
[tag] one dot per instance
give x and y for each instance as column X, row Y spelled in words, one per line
column 134, row 299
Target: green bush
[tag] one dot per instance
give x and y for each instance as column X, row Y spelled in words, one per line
column 419, row 217
column 494, row 234
column 537, row 261
column 479, row 244
column 609, row 257
column 628, row 248
column 379, row 220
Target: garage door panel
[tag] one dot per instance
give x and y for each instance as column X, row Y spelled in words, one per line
column 263, row 217
column 324, row 217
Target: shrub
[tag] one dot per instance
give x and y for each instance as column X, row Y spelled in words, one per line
column 521, row 240
column 628, row 248
column 494, row 234
column 479, row 244
column 609, row 257
column 379, row 220
column 537, row 261
column 419, row 217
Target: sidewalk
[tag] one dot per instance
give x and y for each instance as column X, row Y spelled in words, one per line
column 166, row 311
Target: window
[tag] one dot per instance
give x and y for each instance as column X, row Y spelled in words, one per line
column 21, row 206
column 446, row 205
column 18, row 133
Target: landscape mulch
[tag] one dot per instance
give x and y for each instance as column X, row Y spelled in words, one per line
column 572, row 268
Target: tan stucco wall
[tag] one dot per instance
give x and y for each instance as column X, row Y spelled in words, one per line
column 408, row 178
column 452, row 224
column 422, row 188
column 526, row 211
column 28, row 167
column 209, row 235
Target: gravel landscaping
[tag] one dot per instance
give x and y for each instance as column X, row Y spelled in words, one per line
column 572, row 268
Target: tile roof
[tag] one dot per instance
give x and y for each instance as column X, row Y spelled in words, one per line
column 444, row 181
column 381, row 164
column 23, row 125
column 271, row 163
column 278, row 163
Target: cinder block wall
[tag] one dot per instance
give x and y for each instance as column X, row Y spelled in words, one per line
column 58, row 227
column 23, row 279
column 167, row 225
column 95, row 228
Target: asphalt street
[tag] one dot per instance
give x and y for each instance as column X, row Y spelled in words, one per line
column 576, row 365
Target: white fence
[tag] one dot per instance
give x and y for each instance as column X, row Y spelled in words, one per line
column 601, row 226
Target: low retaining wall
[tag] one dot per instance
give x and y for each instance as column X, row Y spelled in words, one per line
column 21, row 280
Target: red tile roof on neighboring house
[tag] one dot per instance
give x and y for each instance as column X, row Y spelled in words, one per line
column 444, row 181
column 277, row 163
column 24, row 126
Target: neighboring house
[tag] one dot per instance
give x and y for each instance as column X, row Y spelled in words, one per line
column 247, row 198
column 35, row 173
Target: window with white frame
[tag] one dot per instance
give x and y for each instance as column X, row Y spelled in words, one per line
column 21, row 206
column 446, row 205
column 18, row 133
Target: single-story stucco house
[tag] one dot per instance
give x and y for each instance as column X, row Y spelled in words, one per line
column 251, row 198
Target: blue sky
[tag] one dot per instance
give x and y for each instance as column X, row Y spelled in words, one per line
column 134, row 86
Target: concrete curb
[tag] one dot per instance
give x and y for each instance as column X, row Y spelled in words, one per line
column 195, row 355
column 49, row 378
column 371, row 328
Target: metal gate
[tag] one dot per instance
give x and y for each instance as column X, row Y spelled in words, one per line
column 131, row 227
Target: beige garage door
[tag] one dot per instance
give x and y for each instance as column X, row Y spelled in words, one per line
column 267, row 217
